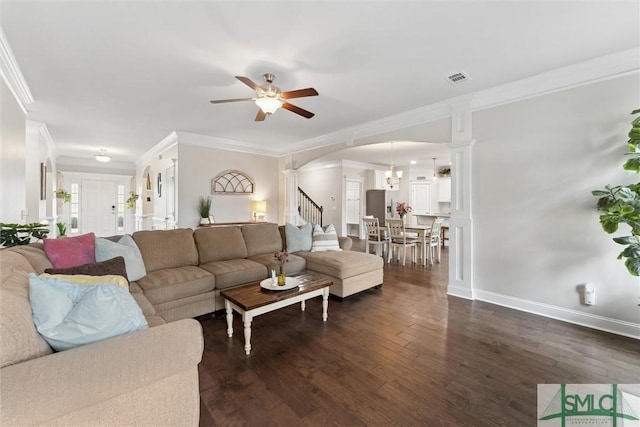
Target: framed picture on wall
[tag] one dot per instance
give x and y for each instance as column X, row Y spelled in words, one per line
column 43, row 181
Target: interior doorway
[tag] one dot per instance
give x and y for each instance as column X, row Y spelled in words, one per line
column 99, row 205
column 353, row 207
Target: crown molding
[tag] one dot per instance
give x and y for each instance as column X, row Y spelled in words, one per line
column 12, row 75
column 338, row 163
column 43, row 132
column 588, row 72
column 330, row 164
column 403, row 120
column 195, row 139
column 162, row 146
column 583, row 73
column 360, row 165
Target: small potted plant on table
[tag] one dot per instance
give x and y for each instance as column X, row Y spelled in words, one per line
column 204, row 209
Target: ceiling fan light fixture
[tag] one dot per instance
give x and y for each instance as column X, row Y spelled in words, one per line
column 268, row 104
column 102, row 156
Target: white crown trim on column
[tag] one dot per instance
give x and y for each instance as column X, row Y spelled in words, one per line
column 43, row 131
column 168, row 142
column 12, row 75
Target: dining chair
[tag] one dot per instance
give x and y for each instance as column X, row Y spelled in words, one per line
column 398, row 238
column 375, row 236
column 434, row 241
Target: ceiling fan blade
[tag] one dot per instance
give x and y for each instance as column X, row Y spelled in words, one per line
column 297, row 110
column 260, row 116
column 222, row 101
column 299, row 93
column 248, row 82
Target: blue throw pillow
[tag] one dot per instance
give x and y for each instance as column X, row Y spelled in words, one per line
column 69, row 315
column 125, row 247
column 298, row 239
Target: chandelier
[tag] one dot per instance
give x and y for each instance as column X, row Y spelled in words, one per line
column 393, row 176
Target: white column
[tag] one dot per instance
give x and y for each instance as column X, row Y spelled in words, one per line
column 32, row 173
column 461, row 221
column 291, row 196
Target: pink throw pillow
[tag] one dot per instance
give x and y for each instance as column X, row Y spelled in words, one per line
column 71, row 251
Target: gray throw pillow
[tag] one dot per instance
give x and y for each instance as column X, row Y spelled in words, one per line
column 298, row 239
column 125, row 247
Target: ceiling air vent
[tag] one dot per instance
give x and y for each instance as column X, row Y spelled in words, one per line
column 457, row 78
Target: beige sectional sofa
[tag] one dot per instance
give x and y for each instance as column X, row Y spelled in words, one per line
column 187, row 269
column 147, row 377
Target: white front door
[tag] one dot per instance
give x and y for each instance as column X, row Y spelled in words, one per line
column 99, row 207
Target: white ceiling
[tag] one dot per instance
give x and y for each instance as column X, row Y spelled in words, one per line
column 123, row 75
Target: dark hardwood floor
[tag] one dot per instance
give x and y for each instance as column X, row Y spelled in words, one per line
column 404, row 355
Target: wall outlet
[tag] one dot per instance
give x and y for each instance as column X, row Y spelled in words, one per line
column 589, row 294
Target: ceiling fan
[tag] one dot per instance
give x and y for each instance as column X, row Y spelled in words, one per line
column 269, row 97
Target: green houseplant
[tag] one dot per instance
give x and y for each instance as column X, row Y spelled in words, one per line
column 63, row 194
column 21, row 234
column 204, row 208
column 62, row 229
column 620, row 204
column 131, row 201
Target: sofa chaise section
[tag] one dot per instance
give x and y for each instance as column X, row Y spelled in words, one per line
column 351, row 272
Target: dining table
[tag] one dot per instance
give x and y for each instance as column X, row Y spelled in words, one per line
column 422, row 232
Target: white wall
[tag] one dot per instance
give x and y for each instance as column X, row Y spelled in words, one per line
column 12, row 157
column 325, row 187
column 536, row 230
column 39, row 150
column 197, row 166
column 153, row 205
column 64, row 211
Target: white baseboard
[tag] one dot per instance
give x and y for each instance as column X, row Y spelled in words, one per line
column 459, row 291
column 607, row 324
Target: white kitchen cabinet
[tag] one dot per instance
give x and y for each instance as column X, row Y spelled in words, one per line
column 421, row 198
column 444, row 190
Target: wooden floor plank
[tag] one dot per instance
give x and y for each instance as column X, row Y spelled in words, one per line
column 406, row 354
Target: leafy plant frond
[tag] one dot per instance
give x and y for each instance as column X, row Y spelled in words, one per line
column 21, row 234
column 621, row 204
column 204, row 206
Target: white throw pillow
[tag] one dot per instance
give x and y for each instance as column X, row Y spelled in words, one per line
column 69, row 315
column 325, row 240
